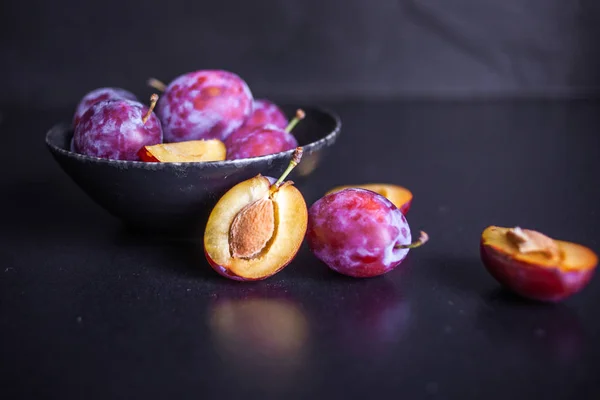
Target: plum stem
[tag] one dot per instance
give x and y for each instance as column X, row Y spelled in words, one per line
column 296, row 157
column 156, row 84
column 420, row 242
column 299, row 117
column 153, row 100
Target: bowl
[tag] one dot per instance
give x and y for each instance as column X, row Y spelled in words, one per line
column 177, row 198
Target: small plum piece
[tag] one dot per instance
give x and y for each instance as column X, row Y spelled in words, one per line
column 257, row 227
column 400, row 196
column 191, row 151
column 262, row 141
column 359, row 233
column 117, row 129
column 534, row 265
column 205, row 104
column 98, row 95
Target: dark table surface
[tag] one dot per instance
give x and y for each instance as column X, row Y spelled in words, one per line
column 88, row 310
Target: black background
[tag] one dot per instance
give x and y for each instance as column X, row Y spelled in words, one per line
column 54, row 51
column 88, row 310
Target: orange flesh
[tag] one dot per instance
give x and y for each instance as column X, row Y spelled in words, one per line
column 189, row 151
column 398, row 195
column 571, row 256
column 291, row 217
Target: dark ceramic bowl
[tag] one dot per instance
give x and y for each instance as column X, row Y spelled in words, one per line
column 177, row 197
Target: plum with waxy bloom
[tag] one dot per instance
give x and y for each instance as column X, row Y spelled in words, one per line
column 204, row 104
column 117, row 129
column 359, row 233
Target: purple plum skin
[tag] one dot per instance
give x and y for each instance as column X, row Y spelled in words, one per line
column 114, row 129
column 205, row 104
column 265, row 112
column 354, row 232
column 98, row 95
column 258, row 142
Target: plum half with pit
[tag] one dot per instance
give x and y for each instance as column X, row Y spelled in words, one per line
column 257, row 227
column 262, row 140
column 359, row 233
column 118, row 129
column 98, row 95
column 536, row 266
column 204, row 104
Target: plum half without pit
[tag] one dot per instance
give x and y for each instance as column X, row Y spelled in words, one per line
column 257, row 227
column 534, row 265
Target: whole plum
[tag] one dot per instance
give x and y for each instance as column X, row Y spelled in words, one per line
column 359, row 233
column 262, row 140
column 117, row 129
column 258, row 142
column 205, row 104
column 98, row 95
column 265, row 112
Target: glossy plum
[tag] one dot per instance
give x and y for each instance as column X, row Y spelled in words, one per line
column 358, row 233
column 98, row 95
column 205, row 104
column 117, row 129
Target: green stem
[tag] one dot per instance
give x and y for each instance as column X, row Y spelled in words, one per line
column 296, row 157
column 422, row 240
column 299, row 117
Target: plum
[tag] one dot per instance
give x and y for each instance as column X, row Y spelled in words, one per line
column 359, row 233
column 98, row 95
column 117, row 129
column 262, row 140
column 265, row 112
column 400, row 196
column 204, row 104
column 536, row 266
column 257, row 227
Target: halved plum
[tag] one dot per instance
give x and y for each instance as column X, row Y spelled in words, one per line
column 534, row 265
column 257, row 227
column 190, row 151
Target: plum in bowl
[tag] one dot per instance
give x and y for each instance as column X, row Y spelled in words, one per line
column 177, row 197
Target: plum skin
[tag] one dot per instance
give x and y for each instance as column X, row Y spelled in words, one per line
column 225, row 272
column 406, row 207
column 260, row 141
column 205, row 104
column 114, row 129
column 531, row 281
column 354, row 232
column 98, row 95
column 265, row 112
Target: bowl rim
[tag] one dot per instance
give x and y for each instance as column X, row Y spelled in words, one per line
column 238, row 163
